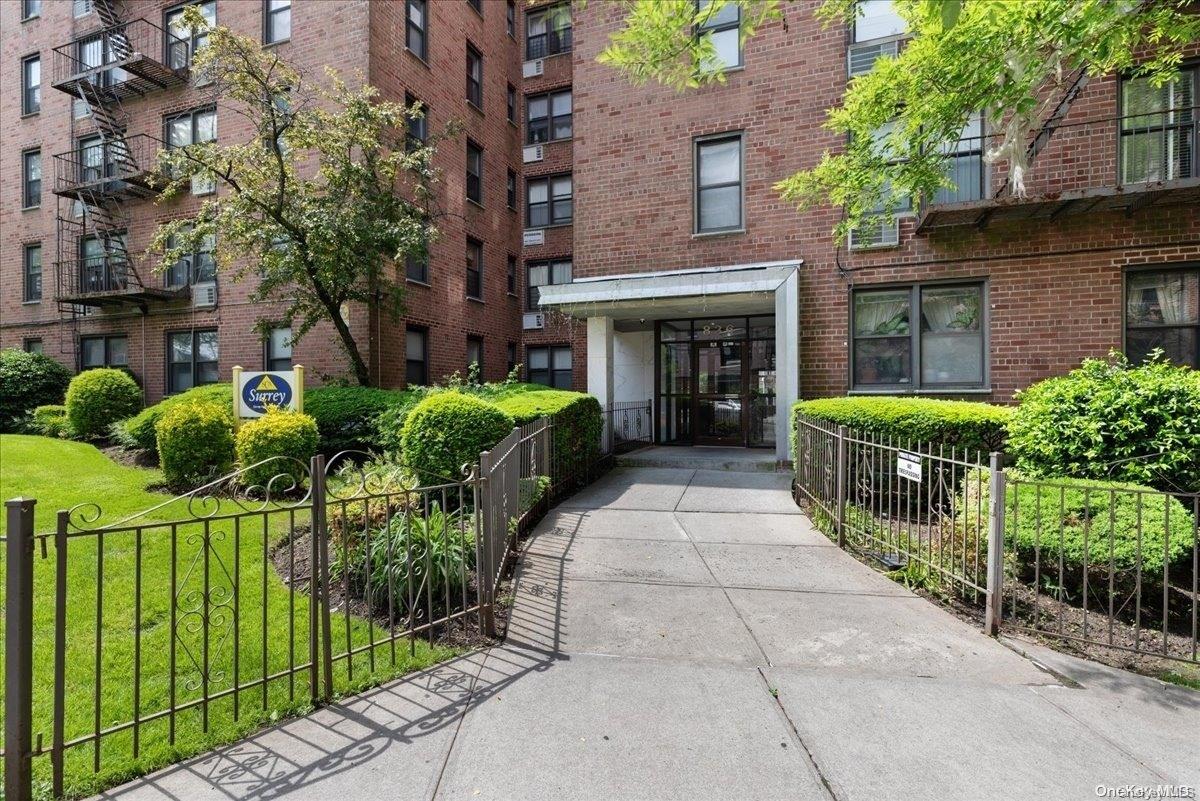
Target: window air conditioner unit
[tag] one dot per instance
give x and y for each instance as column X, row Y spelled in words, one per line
column 880, row 233
column 861, row 58
column 533, row 321
column 533, row 153
column 204, row 296
column 532, row 69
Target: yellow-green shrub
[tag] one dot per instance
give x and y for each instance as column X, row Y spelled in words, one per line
column 98, row 398
column 195, row 443
column 280, row 443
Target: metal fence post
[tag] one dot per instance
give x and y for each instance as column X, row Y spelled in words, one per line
column 995, row 552
column 841, row 470
column 18, row 651
column 485, row 570
column 316, row 472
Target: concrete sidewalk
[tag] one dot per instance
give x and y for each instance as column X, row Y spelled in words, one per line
column 682, row 633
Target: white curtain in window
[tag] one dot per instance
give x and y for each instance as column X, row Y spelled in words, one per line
column 873, row 312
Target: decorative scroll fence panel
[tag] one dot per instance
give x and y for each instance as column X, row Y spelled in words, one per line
column 1100, row 564
column 231, row 604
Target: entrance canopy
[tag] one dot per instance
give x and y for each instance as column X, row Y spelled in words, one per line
column 623, row 350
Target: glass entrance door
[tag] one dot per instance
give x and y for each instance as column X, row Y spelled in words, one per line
column 720, row 393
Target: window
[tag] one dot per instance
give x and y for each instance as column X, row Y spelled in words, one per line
column 416, row 27
column 193, row 128
column 184, row 40
column 103, row 263
column 277, row 21
column 1158, row 129
column 418, row 127
column 1162, row 311
column 191, row 359
column 511, row 275
column 543, row 273
column 877, row 19
column 510, row 190
column 112, row 351
column 550, row 366
column 97, row 160
column 548, row 201
column 33, row 273
column 416, row 357
column 964, row 164
column 278, row 349
column 548, row 117
column 512, row 357
column 719, row 183
column 548, row 32
column 723, row 28
column 416, row 265
column 474, row 269
column 31, row 178
column 32, row 345
column 475, row 354
column 474, row 77
column 477, row 5
column 81, row 8
column 29, row 10
column 510, row 19
column 196, row 267
column 474, row 172
column 512, row 103
column 919, row 337
column 31, row 85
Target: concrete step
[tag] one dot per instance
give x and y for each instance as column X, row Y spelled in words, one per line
column 732, row 460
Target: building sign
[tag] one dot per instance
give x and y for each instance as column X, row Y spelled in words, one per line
column 256, row 392
column 908, row 465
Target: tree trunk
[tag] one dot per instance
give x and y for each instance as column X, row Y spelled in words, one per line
column 361, row 373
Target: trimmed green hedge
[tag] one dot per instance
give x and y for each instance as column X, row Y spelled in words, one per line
column 138, row 431
column 1053, row 516
column 96, row 398
column 349, row 418
column 578, row 420
column 28, row 380
column 1111, row 420
column 276, row 433
column 448, row 430
column 958, row 424
column 195, row 442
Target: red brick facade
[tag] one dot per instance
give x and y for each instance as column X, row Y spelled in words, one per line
column 1054, row 284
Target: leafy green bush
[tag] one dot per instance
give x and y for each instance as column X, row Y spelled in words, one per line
column 448, row 430
column 348, row 418
column 957, row 424
column 578, row 420
column 96, row 398
column 138, row 431
column 195, row 442
column 1111, row 420
column 28, row 380
column 1054, row 517
column 51, row 421
column 277, row 433
column 424, row 560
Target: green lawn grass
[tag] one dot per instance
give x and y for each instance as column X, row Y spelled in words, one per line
column 269, row 632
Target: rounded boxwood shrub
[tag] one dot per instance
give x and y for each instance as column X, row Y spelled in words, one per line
column 195, row 443
column 349, row 418
column 1112, row 420
column 138, row 431
column 448, row 430
column 28, row 380
column 953, row 424
column 51, row 421
column 98, row 398
column 277, row 433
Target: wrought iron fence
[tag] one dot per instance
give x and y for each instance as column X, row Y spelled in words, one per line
column 1093, row 562
column 628, row 426
column 218, row 609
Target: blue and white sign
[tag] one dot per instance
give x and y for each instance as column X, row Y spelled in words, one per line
column 256, row 392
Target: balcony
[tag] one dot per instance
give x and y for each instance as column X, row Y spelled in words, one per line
column 1124, row 164
column 116, row 169
column 129, row 59
column 109, row 280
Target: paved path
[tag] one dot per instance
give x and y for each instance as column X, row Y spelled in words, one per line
column 686, row 634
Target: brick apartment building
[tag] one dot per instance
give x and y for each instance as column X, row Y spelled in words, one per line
column 631, row 242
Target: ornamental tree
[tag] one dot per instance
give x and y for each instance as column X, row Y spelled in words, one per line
column 1021, row 63
column 320, row 202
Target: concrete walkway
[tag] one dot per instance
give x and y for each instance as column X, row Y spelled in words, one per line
column 686, row 634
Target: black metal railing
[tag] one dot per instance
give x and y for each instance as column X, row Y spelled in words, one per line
column 628, row 426
column 111, row 167
column 96, row 275
column 134, row 51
